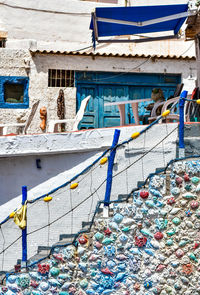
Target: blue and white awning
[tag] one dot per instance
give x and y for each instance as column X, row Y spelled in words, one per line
column 119, row 21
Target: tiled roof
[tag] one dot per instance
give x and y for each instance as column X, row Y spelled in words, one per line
column 111, row 54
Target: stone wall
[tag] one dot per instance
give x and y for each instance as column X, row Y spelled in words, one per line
column 149, row 244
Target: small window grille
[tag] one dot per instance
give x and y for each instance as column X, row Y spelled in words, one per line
column 2, row 43
column 60, row 78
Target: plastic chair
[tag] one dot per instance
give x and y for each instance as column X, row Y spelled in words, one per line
column 53, row 124
column 23, row 126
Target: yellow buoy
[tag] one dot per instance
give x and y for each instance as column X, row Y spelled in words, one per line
column 73, row 185
column 47, row 199
column 198, row 101
column 103, row 160
column 12, row 215
column 135, row 135
column 166, row 113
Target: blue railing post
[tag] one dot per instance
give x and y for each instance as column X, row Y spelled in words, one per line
column 110, row 168
column 181, row 124
column 24, row 231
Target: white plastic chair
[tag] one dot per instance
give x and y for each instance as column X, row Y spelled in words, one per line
column 53, row 124
column 24, row 126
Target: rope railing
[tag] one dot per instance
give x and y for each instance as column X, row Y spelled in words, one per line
column 71, row 214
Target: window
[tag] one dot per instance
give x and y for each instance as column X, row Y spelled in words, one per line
column 60, row 78
column 14, row 92
column 2, row 42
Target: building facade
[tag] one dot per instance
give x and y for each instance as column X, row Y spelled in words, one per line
column 52, row 51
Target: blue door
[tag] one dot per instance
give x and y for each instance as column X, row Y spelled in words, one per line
column 112, row 87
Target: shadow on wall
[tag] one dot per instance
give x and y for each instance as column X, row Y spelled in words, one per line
column 19, row 171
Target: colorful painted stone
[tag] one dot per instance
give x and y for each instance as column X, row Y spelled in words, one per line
column 192, row 257
column 171, row 201
column 175, row 191
column 188, row 213
column 194, row 204
column 43, row 268
column 126, row 229
column 34, row 284
column 84, row 284
column 161, row 224
column 144, row 194
column 140, row 241
column 186, row 177
column 158, row 236
column 106, row 271
column 189, row 196
column 44, row 286
column 176, row 221
column 160, row 267
column 171, row 232
column 188, row 187
column 118, row 218
column 23, row 281
column 147, row 233
column 99, row 236
column 59, row 257
column 179, row 253
column 182, row 243
column 83, row 239
column 179, row 180
column 98, row 245
column 195, row 179
column 54, row 271
column 107, row 241
column 136, row 286
column 169, row 242
column 148, row 285
column 187, row 268
column 107, row 232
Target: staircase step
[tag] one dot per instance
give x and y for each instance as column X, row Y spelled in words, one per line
column 140, row 183
column 43, row 249
column 123, row 197
column 161, row 169
column 86, row 224
column 67, row 237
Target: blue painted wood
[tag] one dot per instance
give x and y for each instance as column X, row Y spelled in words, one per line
column 14, row 80
column 112, row 87
column 24, row 231
column 110, row 168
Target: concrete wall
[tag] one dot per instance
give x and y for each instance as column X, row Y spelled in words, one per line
column 22, row 63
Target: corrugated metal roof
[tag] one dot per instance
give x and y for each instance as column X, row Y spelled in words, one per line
column 111, row 54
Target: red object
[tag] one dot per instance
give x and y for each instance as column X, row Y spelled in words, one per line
column 179, row 180
column 59, row 257
column 186, row 177
column 194, row 204
column 158, row 235
column 83, row 239
column 43, row 268
column 34, row 284
column 171, row 201
column 140, row 241
column 106, row 271
column 160, row 267
column 17, row 267
column 4, row 289
column 107, row 232
column 144, row 194
column 196, row 245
